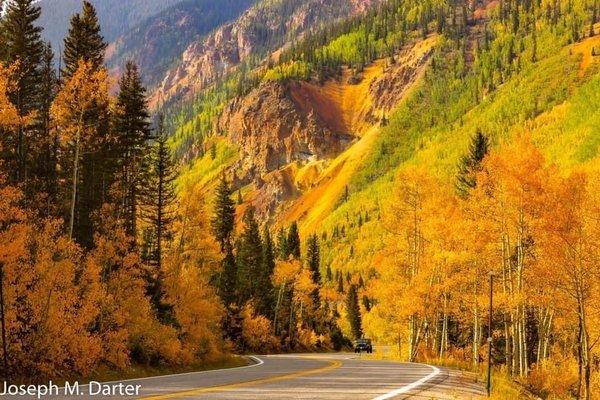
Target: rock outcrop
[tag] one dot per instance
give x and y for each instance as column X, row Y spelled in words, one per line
column 260, row 30
column 282, row 128
column 272, row 130
column 389, row 88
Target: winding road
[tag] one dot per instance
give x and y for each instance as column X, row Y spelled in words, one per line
column 308, row 376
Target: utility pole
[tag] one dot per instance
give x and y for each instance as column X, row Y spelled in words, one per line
column 3, row 322
column 489, row 369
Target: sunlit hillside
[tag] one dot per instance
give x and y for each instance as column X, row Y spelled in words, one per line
column 303, row 176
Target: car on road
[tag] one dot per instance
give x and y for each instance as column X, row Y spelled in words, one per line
column 361, row 345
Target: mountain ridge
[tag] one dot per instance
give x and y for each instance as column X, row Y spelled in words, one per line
column 158, row 42
column 259, row 31
column 116, row 16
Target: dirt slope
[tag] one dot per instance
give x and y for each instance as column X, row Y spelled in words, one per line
column 354, row 107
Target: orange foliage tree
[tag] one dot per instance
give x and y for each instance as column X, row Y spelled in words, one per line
column 82, row 94
column 191, row 261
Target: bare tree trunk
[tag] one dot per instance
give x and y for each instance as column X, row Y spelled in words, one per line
column 507, row 316
column 584, row 351
column 399, row 344
column 75, row 178
column 436, row 335
column 444, row 338
column 525, row 349
column 475, row 337
column 279, row 299
column 414, row 338
column 541, row 326
column 547, row 337
column 580, row 359
column 545, row 321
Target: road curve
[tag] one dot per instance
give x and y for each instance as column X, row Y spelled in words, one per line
column 304, row 376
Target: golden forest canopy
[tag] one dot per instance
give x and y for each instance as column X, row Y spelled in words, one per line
column 106, row 263
column 80, row 292
column 532, row 227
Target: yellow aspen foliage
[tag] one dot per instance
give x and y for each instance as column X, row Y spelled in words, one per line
column 257, row 331
column 43, row 293
column 9, row 116
column 73, row 112
column 286, row 271
column 189, row 265
column 124, row 309
column 571, row 256
column 303, row 289
column 84, row 91
column 511, row 195
column 406, row 275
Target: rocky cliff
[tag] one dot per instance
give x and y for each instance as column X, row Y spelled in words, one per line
column 289, row 133
column 260, row 30
column 155, row 43
column 273, row 130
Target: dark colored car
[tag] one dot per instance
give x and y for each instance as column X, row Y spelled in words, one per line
column 361, row 345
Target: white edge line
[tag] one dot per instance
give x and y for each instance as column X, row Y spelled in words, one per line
column 411, row 386
column 257, row 362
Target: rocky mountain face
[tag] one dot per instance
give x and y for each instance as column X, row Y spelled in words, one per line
column 260, row 30
column 156, row 43
column 281, row 127
column 272, row 130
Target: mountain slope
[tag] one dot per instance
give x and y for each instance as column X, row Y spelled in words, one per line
column 554, row 100
column 158, row 42
column 382, row 92
column 116, row 16
column 260, row 30
column 465, row 89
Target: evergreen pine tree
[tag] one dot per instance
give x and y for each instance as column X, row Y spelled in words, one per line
column 470, row 164
column 313, row 261
column 265, row 290
column 84, row 41
column 282, row 247
column 353, row 312
column 340, row 286
column 249, row 259
column 240, row 199
column 293, row 242
column 46, row 168
column 133, row 131
column 228, row 279
column 329, row 274
column 224, row 215
column 158, row 200
column 159, row 194
column 23, row 43
column 313, row 256
column 366, row 303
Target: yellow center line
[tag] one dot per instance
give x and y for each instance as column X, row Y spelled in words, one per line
column 211, row 389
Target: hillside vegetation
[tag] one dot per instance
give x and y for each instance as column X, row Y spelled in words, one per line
column 459, row 179
column 317, row 171
column 158, row 42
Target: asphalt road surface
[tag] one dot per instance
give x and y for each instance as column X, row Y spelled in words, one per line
column 304, row 376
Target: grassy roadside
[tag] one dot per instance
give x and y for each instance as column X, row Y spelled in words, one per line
column 503, row 387
column 106, row 374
